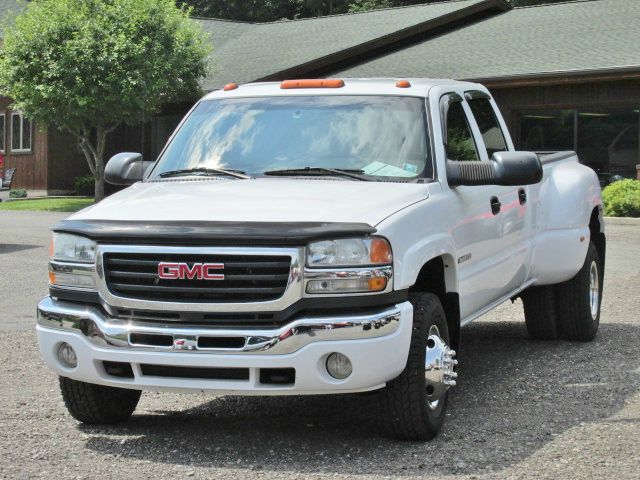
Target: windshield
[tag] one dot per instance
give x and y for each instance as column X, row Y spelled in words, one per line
column 383, row 136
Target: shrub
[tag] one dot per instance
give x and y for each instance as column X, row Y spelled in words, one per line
column 622, row 198
column 84, row 186
column 18, row 193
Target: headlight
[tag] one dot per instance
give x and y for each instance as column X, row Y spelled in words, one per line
column 349, row 252
column 72, row 248
column 352, row 265
column 72, row 261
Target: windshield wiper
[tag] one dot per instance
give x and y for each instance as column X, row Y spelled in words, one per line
column 343, row 172
column 205, row 171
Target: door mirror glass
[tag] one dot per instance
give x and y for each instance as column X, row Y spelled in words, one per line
column 504, row 168
column 125, row 169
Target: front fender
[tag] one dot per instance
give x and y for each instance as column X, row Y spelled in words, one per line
column 416, row 241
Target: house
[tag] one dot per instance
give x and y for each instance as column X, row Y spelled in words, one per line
column 566, row 75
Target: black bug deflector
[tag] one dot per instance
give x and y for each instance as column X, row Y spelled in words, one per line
column 207, row 233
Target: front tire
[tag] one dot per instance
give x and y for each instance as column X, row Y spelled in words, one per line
column 97, row 404
column 409, row 409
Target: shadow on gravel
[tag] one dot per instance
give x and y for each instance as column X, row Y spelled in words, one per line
column 15, row 247
column 514, row 396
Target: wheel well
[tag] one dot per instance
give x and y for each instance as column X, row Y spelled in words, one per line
column 596, row 230
column 432, row 279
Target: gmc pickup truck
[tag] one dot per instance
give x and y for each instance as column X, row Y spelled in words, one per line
column 319, row 237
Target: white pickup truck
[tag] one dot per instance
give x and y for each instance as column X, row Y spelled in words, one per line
column 319, row 237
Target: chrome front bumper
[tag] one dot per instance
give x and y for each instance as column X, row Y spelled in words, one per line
column 377, row 345
column 107, row 332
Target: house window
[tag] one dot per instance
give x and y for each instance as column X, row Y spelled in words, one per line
column 2, row 131
column 606, row 139
column 20, row 133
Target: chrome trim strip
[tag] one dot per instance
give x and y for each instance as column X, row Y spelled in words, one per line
column 347, row 272
column 292, row 294
column 71, row 268
column 108, row 332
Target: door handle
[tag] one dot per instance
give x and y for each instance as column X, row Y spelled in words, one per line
column 495, row 205
column 522, row 196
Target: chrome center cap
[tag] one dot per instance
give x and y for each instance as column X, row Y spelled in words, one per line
column 438, row 366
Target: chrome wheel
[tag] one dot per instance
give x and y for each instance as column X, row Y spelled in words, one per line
column 438, row 368
column 594, row 290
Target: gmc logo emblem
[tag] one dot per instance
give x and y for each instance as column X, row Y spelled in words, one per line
column 182, row 271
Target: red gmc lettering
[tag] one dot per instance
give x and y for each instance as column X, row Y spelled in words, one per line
column 182, row 271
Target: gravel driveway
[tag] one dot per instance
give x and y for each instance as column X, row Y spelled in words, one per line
column 523, row 409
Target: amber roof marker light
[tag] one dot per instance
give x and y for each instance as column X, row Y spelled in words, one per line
column 230, row 86
column 313, row 83
column 403, row 84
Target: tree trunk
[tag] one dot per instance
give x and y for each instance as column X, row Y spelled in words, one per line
column 94, row 154
column 101, row 141
column 99, row 184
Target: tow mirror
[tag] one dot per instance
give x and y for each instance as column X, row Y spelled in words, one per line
column 504, row 168
column 125, row 169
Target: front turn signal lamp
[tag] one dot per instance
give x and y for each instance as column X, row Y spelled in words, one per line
column 347, row 285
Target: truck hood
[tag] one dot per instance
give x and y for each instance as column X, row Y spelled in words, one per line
column 257, row 200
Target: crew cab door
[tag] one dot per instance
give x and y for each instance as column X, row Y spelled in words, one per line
column 515, row 214
column 474, row 224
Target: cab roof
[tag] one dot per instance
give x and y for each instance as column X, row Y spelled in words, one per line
column 352, row 86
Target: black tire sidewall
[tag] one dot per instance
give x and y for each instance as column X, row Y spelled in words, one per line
column 423, row 319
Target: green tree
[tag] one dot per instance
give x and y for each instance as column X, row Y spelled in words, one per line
column 365, row 5
column 265, row 10
column 87, row 66
column 270, row 10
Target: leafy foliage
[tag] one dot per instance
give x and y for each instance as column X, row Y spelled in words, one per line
column 271, row 10
column 87, row 66
column 460, row 146
column 246, row 10
column 18, row 193
column 84, row 186
column 622, row 198
column 365, row 5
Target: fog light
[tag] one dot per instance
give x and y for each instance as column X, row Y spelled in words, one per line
column 338, row 366
column 67, row 355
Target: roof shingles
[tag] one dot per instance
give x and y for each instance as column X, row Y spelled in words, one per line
column 565, row 37
column 260, row 50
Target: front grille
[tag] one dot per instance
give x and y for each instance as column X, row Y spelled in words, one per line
column 247, row 278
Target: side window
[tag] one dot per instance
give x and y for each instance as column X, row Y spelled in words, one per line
column 2, row 131
column 460, row 143
column 20, row 133
column 488, row 124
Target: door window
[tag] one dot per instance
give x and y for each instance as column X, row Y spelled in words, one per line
column 487, row 121
column 460, row 142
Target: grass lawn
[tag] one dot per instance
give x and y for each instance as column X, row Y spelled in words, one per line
column 48, row 204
